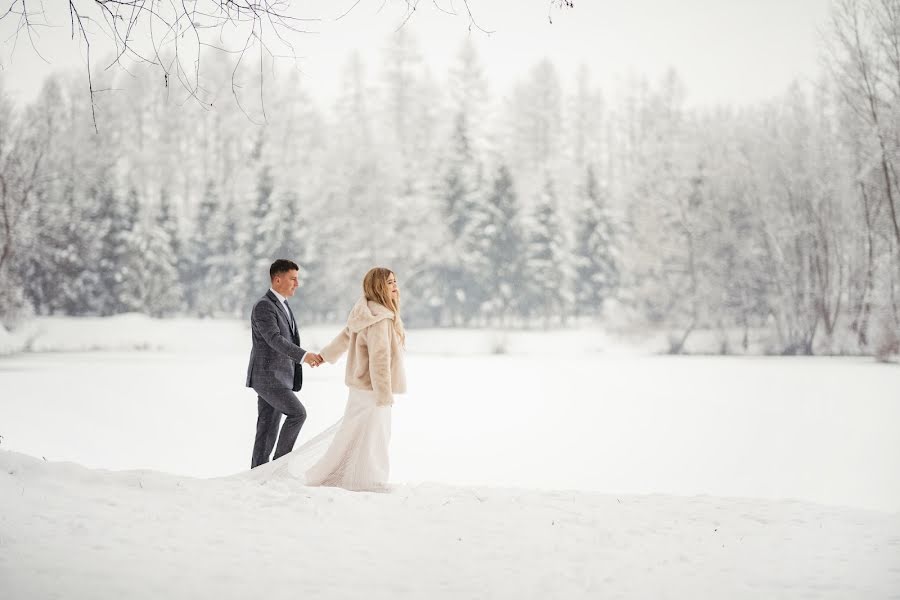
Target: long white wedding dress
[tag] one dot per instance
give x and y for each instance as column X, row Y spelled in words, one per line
column 351, row 454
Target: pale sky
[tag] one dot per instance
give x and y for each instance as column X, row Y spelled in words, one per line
column 726, row 51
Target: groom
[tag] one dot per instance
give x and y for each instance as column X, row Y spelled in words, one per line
column 275, row 371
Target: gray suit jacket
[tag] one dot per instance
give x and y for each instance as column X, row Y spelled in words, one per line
column 276, row 355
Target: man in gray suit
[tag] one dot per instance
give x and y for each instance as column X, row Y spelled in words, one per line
column 275, row 370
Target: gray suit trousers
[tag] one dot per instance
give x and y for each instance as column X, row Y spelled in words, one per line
column 271, row 404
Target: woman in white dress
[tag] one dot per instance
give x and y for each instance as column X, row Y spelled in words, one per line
column 374, row 338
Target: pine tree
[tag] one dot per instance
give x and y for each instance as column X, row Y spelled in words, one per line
column 267, row 230
column 546, row 260
column 466, row 218
column 502, row 247
column 356, row 213
column 226, row 276
column 130, row 255
column 203, row 284
column 161, row 289
column 119, row 250
column 79, row 257
column 597, row 269
column 39, row 268
column 298, row 245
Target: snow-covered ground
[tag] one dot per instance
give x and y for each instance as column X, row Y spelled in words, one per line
column 70, row 532
column 696, row 476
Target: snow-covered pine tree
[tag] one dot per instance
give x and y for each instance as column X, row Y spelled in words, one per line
column 226, row 275
column 354, row 213
column 466, row 218
column 265, row 231
column 547, row 261
column 407, row 127
column 299, row 241
column 458, row 268
column 131, row 254
column 162, row 292
column 38, row 267
column 502, row 245
column 80, row 256
column 199, row 293
column 597, row 252
column 116, row 222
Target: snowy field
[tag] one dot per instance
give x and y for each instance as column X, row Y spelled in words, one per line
column 696, row 476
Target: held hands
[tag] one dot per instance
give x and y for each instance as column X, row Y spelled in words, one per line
column 313, row 359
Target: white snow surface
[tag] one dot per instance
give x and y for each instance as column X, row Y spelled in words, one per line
column 72, row 532
column 696, row 477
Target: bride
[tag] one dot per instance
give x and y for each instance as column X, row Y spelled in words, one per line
column 353, row 453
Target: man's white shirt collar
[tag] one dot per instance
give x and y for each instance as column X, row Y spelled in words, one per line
column 284, row 305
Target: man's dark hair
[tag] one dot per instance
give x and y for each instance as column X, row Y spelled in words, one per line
column 282, row 265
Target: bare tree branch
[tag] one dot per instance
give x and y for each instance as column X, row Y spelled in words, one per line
column 172, row 34
column 348, row 10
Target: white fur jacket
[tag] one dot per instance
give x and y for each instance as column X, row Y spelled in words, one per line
column 375, row 358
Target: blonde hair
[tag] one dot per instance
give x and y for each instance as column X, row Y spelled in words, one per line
column 376, row 289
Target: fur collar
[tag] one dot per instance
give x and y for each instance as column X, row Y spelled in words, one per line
column 366, row 313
